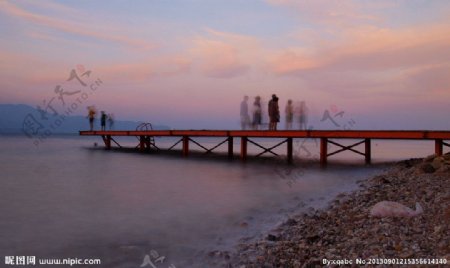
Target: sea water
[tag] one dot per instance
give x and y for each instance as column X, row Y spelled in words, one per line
column 68, row 198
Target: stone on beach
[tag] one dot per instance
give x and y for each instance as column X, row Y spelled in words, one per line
column 394, row 209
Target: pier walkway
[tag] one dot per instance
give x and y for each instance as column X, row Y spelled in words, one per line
column 147, row 143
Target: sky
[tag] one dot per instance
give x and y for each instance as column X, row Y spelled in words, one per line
column 188, row 64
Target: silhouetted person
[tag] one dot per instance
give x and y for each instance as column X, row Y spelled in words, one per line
column 245, row 118
column 256, row 112
column 274, row 112
column 91, row 116
column 289, row 111
column 302, row 116
column 103, row 120
column 111, row 121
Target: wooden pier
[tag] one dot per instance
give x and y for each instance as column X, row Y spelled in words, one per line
column 146, row 139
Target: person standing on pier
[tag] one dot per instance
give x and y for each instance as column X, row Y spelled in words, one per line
column 257, row 113
column 274, row 112
column 111, row 121
column 91, row 116
column 103, row 120
column 289, row 111
column 245, row 118
column 302, row 116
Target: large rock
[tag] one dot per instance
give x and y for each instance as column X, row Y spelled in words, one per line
column 437, row 162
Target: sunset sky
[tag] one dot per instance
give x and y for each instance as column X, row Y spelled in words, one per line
column 187, row 64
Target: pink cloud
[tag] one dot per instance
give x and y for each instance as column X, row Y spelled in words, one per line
column 398, row 64
column 174, row 65
column 432, row 79
column 28, row 72
column 370, row 49
column 145, row 69
column 378, row 49
column 219, row 59
column 330, row 12
column 291, row 60
column 52, row 5
column 224, row 55
column 71, row 28
column 127, row 72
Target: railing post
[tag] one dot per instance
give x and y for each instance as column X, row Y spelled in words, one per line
column 230, row 147
column 323, row 151
column 438, row 147
column 185, row 145
column 368, row 150
column 289, row 151
column 243, row 148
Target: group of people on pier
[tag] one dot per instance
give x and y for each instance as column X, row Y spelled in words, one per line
column 292, row 112
column 92, row 112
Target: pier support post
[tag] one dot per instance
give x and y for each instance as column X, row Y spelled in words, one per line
column 230, row 147
column 289, row 151
column 141, row 143
column 243, row 148
column 368, row 150
column 107, row 141
column 438, row 147
column 323, row 151
column 147, row 143
column 185, row 145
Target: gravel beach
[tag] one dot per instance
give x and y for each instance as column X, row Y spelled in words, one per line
column 345, row 231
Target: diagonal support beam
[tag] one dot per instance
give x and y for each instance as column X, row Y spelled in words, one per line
column 206, row 149
column 267, row 150
column 176, row 143
column 345, row 148
column 210, row 150
column 116, row 142
column 154, row 145
column 198, row 144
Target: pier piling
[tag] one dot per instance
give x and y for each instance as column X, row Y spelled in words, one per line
column 368, row 150
column 243, row 148
column 230, row 147
column 185, row 145
column 289, row 151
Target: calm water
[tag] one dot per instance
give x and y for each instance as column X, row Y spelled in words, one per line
column 69, row 199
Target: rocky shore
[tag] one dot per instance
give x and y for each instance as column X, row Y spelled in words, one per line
column 347, row 231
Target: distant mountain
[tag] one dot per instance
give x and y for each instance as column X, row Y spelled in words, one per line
column 20, row 118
